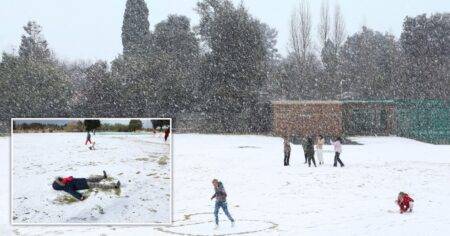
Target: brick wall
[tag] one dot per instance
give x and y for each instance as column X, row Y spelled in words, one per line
column 306, row 118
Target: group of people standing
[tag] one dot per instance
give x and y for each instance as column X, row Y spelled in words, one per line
column 309, row 152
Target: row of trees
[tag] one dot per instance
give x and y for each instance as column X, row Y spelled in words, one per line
column 78, row 126
column 226, row 68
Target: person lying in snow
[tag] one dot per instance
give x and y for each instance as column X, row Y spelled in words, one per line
column 71, row 185
column 404, row 201
column 221, row 202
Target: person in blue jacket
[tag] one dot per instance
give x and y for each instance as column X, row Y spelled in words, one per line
column 72, row 185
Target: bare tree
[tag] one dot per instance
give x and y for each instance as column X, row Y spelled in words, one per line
column 338, row 27
column 295, row 41
column 300, row 30
column 324, row 24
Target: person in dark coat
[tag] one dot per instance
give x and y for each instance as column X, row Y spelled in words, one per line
column 337, row 144
column 88, row 138
column 72, row 185
column 287, row 151
column 309, row 151
column 221, row 202
column 304, row 145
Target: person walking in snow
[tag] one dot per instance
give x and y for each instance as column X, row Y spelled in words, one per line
column 319, row 147
column 337, row 144
column 91, row 146
column 166, row 134
column 404, row 201
column 287, row 151
column 221, row 202
column 72, row 185
column 304, row 144
column 88, row 138
column 310, row 151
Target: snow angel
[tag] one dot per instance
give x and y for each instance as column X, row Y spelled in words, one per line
column 71, row 185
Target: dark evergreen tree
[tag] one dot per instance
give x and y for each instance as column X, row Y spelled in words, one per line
column 90, row 125
column 235, row 58
column 33, row 83
column 33, row 46
column 136, row 30
column 98, row 95
column 368, row 61
column 135, row 125
column 425, row 42
column 176, row 44
column 160, row 123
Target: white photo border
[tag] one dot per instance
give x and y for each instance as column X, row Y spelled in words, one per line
column 89, row 224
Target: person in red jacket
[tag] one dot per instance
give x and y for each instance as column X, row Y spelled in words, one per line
column 404, row 202
column 166, row 134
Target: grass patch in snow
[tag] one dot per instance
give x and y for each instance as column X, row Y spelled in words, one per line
column 254, row 147
column 65, row 199
column 142, row 159
column 109, row 179
column 99, row 209
column 163, row 160
column 112, row 191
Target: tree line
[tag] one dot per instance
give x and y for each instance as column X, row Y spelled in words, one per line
column 81, row 126
column 227, row 67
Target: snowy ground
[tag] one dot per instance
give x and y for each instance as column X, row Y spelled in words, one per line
column 267, row 198
column 133, row 159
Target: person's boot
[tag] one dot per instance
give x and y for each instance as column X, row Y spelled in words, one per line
column 117, row 184
column 105, row 175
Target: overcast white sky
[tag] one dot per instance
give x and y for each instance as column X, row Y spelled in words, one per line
column 90, row 29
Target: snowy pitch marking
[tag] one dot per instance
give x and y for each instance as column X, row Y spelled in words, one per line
column 243, row 226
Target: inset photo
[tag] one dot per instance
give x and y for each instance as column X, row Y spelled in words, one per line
column 112, row 171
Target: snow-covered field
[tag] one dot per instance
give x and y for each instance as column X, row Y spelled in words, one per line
column 133, row 159
column 267, row 198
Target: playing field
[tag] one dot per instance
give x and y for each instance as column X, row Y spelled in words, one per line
column 267, row 198
column 140, row 162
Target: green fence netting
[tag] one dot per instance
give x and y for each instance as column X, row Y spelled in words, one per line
column 425, row 120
